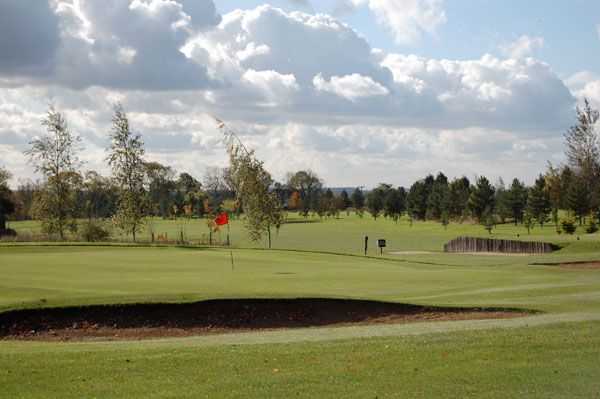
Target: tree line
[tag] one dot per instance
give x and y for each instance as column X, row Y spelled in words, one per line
column 138, row 188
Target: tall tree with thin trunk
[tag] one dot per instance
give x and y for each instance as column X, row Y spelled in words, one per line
column 126, row 160
column 583, row 149
column 54, row 155
column 252, row 185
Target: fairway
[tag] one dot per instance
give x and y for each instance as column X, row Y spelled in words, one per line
column 466, row 358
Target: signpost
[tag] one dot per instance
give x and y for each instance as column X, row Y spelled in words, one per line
column 382, row 244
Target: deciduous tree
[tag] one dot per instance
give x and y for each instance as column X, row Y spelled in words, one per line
column 54, row 155
column 126, row 160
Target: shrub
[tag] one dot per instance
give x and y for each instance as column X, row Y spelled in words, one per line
column 592, row 228
column 93, row 231
column 8, row 233
column 568, row 226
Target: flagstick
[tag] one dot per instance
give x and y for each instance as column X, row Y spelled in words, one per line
column 228, row 242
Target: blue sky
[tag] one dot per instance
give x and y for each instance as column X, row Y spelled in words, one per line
column 387, row 91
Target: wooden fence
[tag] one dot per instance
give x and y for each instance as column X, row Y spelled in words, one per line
column 472, row 244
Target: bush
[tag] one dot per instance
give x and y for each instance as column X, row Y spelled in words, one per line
column 93, row 231
column 8, row 233
column 568, row 226
column 592, row 228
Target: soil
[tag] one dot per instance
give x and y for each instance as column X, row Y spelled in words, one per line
column 143, row 321
column 581, row 265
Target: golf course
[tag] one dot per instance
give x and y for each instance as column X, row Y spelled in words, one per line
column 549, row 347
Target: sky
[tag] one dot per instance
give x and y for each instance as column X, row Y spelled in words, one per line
column 359, row 91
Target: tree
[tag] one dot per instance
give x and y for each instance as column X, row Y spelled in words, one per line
column 482, row 198
column 162, row 189
column 517, row 200
column 346, row 202
column 439, row 198
column 126, row 160
column 416, row 201
column 7, row 205
column 98, row 197
column 539, row 201
column 459, row 192
column 583, row 146
column 309, row 185
column 394, row 203
column 54, row 155
column 583, row 150
column 503, row 209
column 252, row 184
column 375, row 201
column 555, row 193
column 578, row 198
column 358, row 201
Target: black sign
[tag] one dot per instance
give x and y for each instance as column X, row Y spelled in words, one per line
column 381, row 243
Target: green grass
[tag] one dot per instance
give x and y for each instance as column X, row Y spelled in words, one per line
column 551, row 355
column 346, row 234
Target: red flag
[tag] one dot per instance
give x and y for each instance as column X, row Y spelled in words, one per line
column 222, row 219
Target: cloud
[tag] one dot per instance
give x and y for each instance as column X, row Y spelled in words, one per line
column 29, row 37
column 305, row 91
column 267, row 38
column 407, row 20
column 274, row 86
column 524, row 46
column 351, row 87
column 128, row 44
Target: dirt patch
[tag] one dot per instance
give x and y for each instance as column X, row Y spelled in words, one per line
column 126, row 322
column 581, row 265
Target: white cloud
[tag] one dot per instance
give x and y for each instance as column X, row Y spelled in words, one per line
column 351, row 87
column 407, row 20
column 306, row 91
column 524, row 46
column 274, row 86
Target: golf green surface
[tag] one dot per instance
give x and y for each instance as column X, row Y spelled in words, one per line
column 552, row 354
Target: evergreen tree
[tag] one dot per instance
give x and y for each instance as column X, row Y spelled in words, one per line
column 539, row 201
column 578, row 198
column 417, row 200
column 482, row 198
column 346, row 202
column 459, row 192
column 438, row 200
column 394, row 204
column 375, row 201
column 517, row 200
column 503, row 209
column 358, row 201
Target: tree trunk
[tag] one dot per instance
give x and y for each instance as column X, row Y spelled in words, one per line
column 2, row 222
column 269, row 231
column 133, row 233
